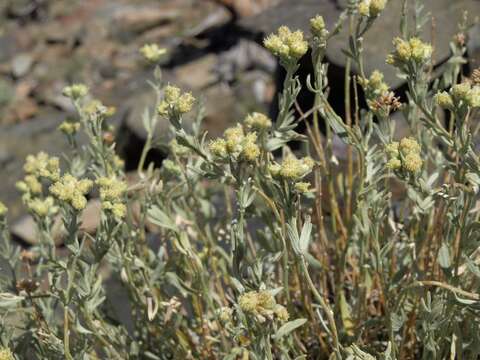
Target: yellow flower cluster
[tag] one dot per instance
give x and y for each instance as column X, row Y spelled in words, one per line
column 460, row 94
column 236, row 143
column 287, row 45
column 262, row 304
column 38, row 167
column 3, row 209
column 404, row 155
column 152, row 52
column 41, row 165
column 72, row 190
column 317, row 27
column 292, row 168
column 69, row 128
column 6, row 354
column 302, row 187
column 112, row 193
column 371, row 8
column 374, row 86
column 75, row 91
column 42, row 207
column 444, row 100
column 225, row 314
column 258, row 121
column 175, row 102
column 96, row 108
column 412, row 50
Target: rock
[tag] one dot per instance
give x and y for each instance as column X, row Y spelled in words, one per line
column 296, row 15
column 242, row 57
column 21, row 64
column 197, row 74
column 25, row 229
column 6, row 93
column 91, row 217
column 473, row 47
column 220, row 104
column 243, row 8
column 135, row 19
column 21, row 110
column 7, row 47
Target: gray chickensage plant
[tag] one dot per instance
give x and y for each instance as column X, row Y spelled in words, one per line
column 240, row 248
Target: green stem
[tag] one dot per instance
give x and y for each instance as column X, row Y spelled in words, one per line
column 326, row 309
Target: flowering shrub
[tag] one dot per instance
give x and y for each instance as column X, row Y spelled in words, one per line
column 240, row 248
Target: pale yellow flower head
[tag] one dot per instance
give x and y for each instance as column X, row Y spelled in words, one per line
column 234, row 138
column 262, row 305
column 6, row 354
column 475, row 97
column 412, row 50
column 152, row 52
column 392, row 149
column 250, row 149
column 171, row 94
column 409, row 145
column 413, row 162
column 112, row 191
column 403, row 49
column 41, row 165
column 248, row 302
column 317, row 26
column 287, row 45
column 281, row 313
column 225, row 314
column 364, row 8
column 404, row 155
column 371, row 8
column 394, row 164
column 302, row 187
column 72, row 191
column 466, row 94
column 119, row 210
column 258, row 121
column 75, row 91
column 185, row 103
column 41, row 207
column 33, row 185
column 69, row 128
column 294, row 169
column 175, row 101
column 444, row 100
column 218, row 147
column 3, row 209
column 421, row 51
column 274, row 169
column 376, row 7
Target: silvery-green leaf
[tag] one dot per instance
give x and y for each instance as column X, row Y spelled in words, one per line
column 160, row 218
column 8, row 299
column 444, row 256
column 305, row 235
column 288, row 327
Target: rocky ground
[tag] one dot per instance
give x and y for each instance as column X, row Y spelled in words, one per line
column 47, row 44
column 213, row 50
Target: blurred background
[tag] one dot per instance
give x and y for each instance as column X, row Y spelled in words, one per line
column 214, row 49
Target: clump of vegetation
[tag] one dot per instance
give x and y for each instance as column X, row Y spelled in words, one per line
column 261, row 252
